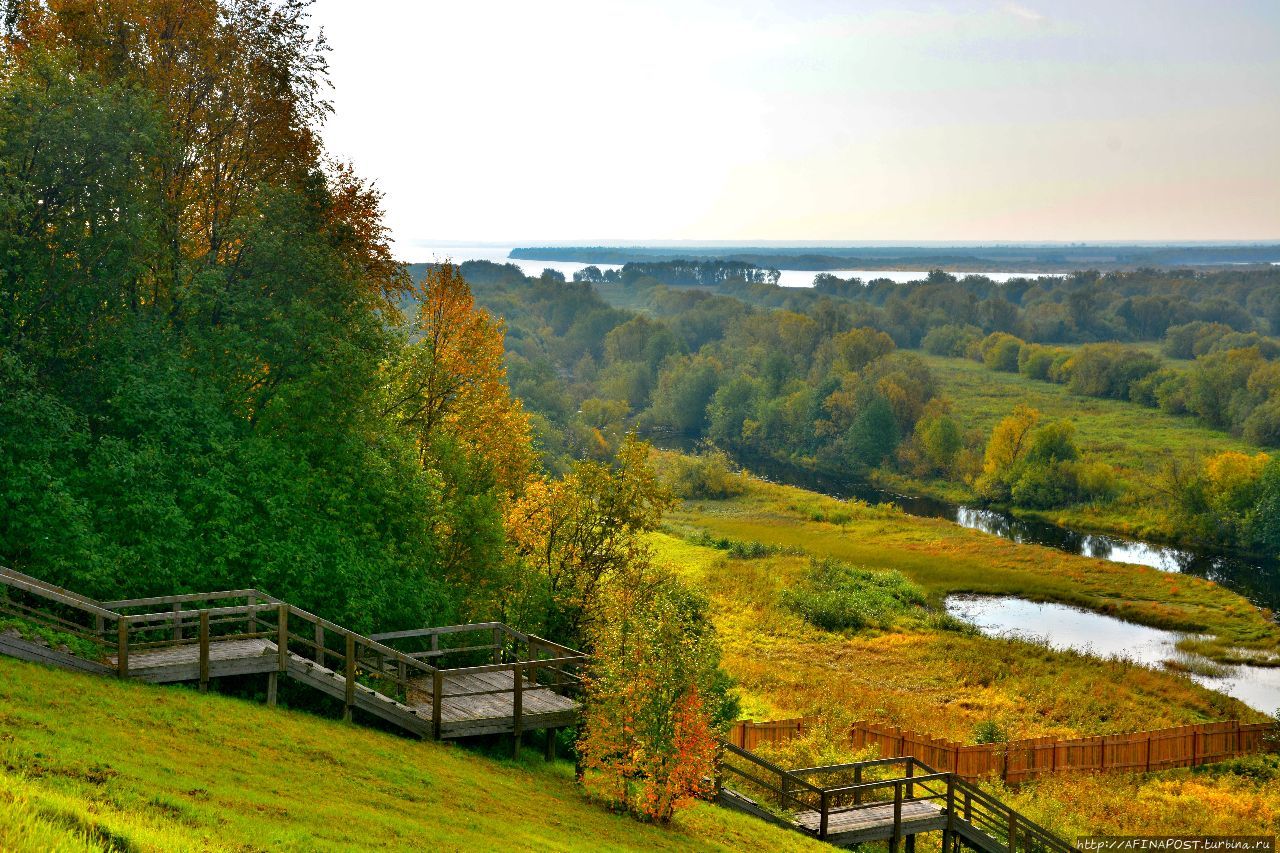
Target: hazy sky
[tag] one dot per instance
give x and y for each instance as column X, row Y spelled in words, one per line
column 811, row 119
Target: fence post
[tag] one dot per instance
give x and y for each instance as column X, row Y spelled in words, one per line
column 517, row 710
column 1148, row 761
column 857, row 780
column 497, row 645
column 1013, row 829
column 911, row 786
column 1195, row 746
column 177, row 623
column 122, row 647
column 319, row 637
column 824, row 814
column 250, row 614
column 204, row 650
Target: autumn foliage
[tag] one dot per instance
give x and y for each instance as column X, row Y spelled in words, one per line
column 655, row 702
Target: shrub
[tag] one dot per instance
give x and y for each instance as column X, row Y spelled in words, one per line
column 953, row 339
column 1000, row 351
column 989, row 731
column 837, row 597
column 710, row 475
column 1036, row 361
column 1107, row 370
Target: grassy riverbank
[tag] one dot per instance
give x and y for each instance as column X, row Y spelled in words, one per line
column 1133, row 439
column 944, row 558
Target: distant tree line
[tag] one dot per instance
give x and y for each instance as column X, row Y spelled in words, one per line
column 680, row 273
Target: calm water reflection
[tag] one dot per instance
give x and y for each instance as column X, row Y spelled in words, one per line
column 1065, row 627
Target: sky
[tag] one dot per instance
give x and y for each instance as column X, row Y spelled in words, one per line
column 810, row 120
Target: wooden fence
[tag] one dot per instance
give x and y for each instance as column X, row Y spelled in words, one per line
column 1016, row 761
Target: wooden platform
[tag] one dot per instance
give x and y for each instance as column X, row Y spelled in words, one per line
column 874, row 822
column 484, row 704
column 182, row 663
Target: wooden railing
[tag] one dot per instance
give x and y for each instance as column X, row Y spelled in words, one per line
column 837, row 790
column 119, row 628
column 1017, row 761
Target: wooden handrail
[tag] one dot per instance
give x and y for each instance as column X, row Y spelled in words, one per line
column 34, row 586
column 427, row 632
column 507, row 667
column 179, row 599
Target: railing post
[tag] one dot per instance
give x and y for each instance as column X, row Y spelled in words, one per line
column 1013, row 830
column 177, row 623
column 350, row 698
column 517, row 709
column 319, row 637
column 897, row 817
column 911, row 786
column 282, row 636
column 122, row 647
column 824, row 814
column 949, row 832
column 251, row 614
column 204, row 650
column 783, row 791
column 497, row 645
column 437, row 701
column 857, row 780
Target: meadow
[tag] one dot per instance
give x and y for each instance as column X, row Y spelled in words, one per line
column 93, row 764
column 1136, row 441
column 944, row 559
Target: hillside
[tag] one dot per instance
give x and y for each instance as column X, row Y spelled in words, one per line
column 95, row 764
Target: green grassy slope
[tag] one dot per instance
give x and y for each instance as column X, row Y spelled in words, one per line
column 1130, row 436
column 88, row 763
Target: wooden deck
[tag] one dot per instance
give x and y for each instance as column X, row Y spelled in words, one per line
column 182, row 663
column 874, row 822
column 484, row 703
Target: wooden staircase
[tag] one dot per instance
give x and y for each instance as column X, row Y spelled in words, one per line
column 502, row 680
column 890, row 799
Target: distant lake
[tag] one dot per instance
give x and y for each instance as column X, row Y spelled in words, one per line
column 789, row 278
